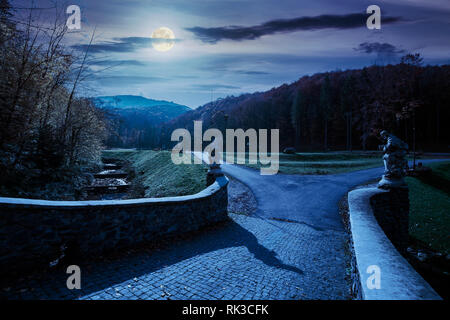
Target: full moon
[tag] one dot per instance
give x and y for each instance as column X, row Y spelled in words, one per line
column 163, row 39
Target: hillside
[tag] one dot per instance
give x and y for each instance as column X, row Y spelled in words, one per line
column 342, row 109
column 157, row 110
column 134, row 120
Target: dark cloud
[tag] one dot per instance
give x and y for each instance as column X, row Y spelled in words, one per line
column 238, row 33
column 128, row 44
column 117, row 81
column 108, row 63
column 209, row 87
column 379, row 48
column 251, row 73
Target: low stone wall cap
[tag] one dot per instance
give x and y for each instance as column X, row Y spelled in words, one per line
column 216, row 186
column 399, row 280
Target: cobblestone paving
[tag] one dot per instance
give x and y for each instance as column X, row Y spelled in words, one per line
column 246, row 258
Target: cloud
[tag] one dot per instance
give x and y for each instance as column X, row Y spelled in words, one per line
column 209, row 87
column 379, row 48
column 121, row 81
column 251, row 73
column 117, row 63
column 239, row 33
column 127, row 44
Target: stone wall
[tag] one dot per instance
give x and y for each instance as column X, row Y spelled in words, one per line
column 32, row 232
column 373, row 250
column 391, row 209
column 356, row 290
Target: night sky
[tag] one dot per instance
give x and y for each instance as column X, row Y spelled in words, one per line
column 230, row 47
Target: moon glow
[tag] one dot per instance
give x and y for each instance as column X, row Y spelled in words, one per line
column 163, row 39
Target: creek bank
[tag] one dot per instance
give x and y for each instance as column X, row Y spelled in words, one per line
column 111, row 183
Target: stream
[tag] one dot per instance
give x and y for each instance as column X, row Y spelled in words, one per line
column 109, row 184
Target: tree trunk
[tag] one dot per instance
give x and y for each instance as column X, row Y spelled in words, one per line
column 437, row 124
column 350, row 132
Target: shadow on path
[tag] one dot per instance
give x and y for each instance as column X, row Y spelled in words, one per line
column 100, row 275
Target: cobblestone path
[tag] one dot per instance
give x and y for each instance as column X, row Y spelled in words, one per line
column 246, row 258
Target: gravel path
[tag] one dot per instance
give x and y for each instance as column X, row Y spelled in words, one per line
column 240, row 198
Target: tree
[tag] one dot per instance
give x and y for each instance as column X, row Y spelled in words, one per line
column 325, row 107
column 348, row 99
column 298, row 110
column 413, row 59
column 38, row 132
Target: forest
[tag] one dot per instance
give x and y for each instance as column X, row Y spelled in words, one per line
column 342, row 110
column 48, row 131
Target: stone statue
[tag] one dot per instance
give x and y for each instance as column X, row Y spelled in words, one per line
column 395, row 164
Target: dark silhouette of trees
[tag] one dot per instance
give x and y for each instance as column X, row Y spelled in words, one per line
column 44, row 127
column 345, row 109
column 297, row 116
column 348, row 101
column 325, row 108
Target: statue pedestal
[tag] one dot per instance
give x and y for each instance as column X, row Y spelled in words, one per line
column 213, row 172
column 390, row 183
column 391, row 209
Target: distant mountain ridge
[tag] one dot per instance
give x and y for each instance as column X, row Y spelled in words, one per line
column 161, row 110
column 135, row 120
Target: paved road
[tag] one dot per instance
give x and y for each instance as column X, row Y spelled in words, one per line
column 255, row 257
column 307, row 199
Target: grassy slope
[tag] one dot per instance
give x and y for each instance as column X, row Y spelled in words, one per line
column 159, row 176
column 430, row 208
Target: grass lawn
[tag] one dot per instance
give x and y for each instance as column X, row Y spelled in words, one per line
column 430, row 208
column 159, row 176
column 321, row 163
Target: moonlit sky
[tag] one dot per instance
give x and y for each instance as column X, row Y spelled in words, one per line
column 229, row 47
